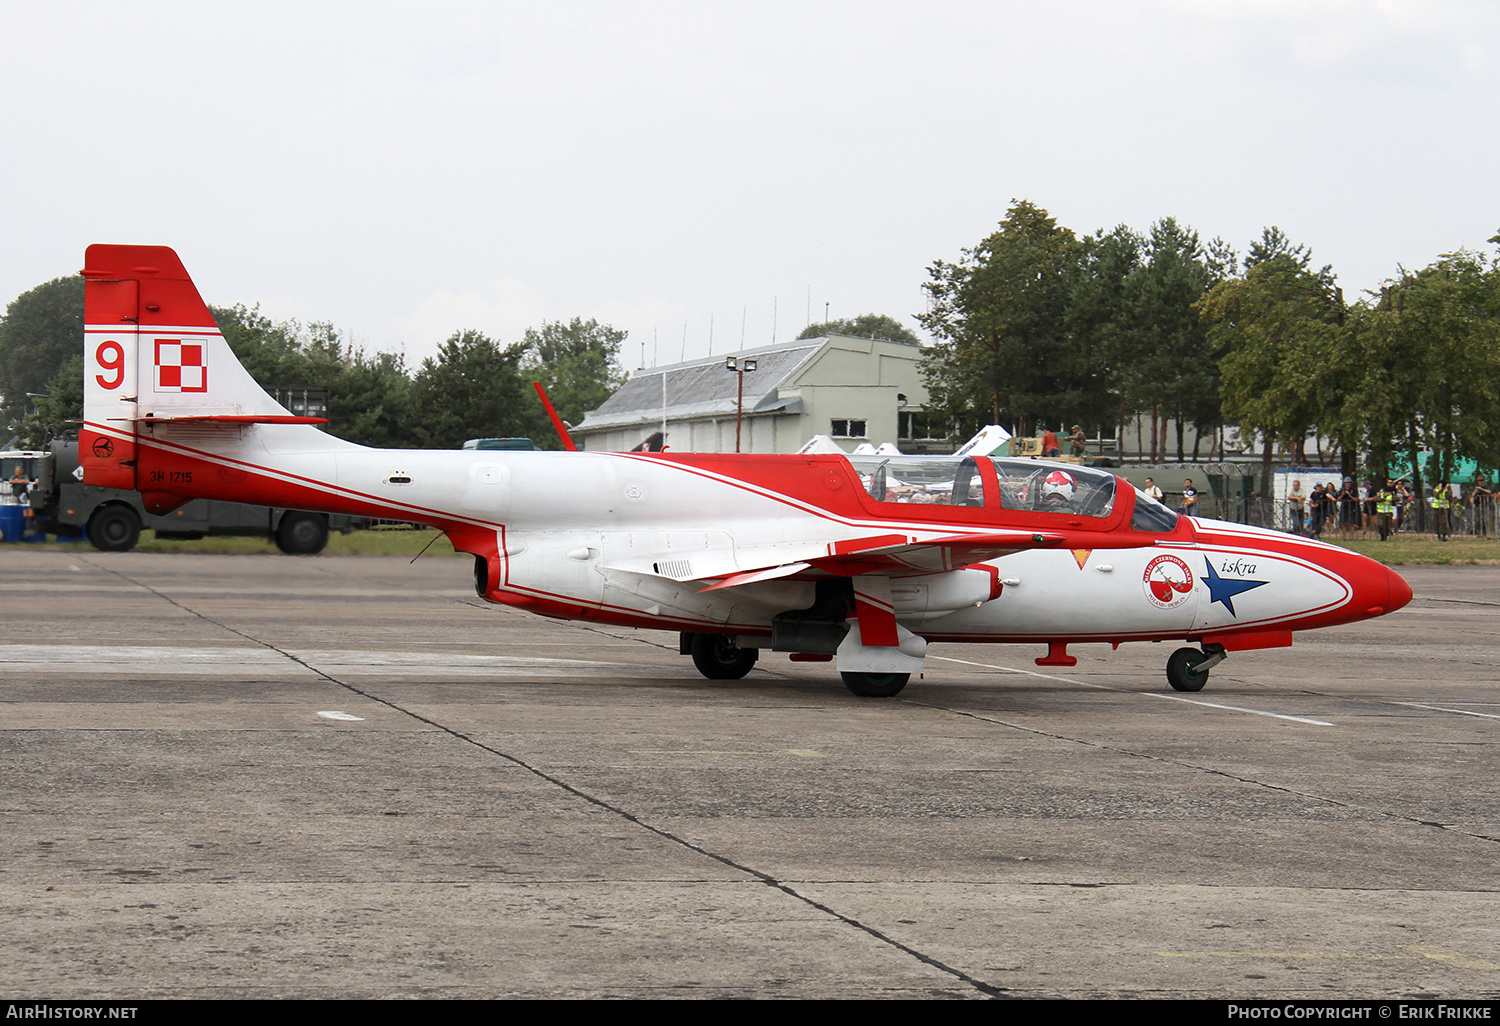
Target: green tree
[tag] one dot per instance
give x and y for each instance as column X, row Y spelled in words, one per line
column 998, row 315
column 369, row 396
column 41, row 330
column 1097, row 317
column 370, row 401
column 1273, row 244
column 1420, row 370
column 868, row 325
column 56, row 413
column 578, row 363
column 271, row 352
column 474, row 388
column 1164, row 362
column 1280, row 330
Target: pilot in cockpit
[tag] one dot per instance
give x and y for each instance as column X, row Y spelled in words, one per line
column 1058, row 491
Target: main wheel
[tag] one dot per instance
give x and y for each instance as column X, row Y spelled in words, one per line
column 114, row 529
column 719, row 658
column 875, row 685
column 1182, row 670
column 301, row 534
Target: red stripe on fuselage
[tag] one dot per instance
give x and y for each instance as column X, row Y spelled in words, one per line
column 228, row 478
column 234, row 480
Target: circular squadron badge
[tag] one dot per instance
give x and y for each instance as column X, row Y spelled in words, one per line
column 1168, row 582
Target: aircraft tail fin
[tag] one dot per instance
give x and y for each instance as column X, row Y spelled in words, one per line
column 153, row 355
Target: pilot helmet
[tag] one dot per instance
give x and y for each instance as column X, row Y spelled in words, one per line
column 1058, row 489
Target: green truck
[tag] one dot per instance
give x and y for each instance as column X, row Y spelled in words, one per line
column 57, row 502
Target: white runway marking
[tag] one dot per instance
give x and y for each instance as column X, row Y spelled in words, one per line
column 1144, row 694
column 1457, row 712
column 164, row 660
column 335, row 714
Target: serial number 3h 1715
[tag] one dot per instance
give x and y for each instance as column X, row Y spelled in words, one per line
column 171, row 477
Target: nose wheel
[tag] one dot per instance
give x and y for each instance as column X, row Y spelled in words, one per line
column 1188, row 668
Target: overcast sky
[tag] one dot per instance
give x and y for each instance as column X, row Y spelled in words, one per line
column 405, row 171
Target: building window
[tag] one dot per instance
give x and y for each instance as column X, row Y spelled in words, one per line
column 917, row 425
column 848, row 428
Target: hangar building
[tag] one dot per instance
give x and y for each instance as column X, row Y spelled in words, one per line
column 852, row 389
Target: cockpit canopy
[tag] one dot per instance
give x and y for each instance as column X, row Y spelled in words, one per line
column 1151, row 515
column 1016, row 485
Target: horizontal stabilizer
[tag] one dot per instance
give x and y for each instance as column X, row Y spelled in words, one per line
column 259, row 418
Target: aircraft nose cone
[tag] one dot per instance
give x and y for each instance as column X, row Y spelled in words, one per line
column 1400, row 591
column 1377, row 588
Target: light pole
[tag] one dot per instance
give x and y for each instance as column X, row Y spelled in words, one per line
column 739, row 402
column 37, row 413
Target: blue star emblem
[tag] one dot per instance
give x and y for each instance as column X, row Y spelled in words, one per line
column 1224, row 590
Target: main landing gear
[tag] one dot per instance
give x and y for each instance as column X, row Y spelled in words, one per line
column 875, row 685
column 1188, row 668
column 717, row 657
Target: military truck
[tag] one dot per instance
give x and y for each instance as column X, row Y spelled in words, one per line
column 112, row 519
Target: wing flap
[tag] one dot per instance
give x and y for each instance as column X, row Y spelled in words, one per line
column 934, row 555
column 754, row 576
column 890, row 555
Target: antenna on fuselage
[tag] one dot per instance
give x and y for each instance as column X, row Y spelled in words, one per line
column 557, row 422
column 434, row 538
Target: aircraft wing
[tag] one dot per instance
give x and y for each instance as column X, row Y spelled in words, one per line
column 894, row 555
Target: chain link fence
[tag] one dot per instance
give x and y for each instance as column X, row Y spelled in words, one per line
column 1477, row 521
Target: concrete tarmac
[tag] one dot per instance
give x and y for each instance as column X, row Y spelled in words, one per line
column 263, row 776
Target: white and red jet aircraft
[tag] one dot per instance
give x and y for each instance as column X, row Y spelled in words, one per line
column 863, row 559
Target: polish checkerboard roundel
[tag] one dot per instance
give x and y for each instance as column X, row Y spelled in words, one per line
column 181, row 366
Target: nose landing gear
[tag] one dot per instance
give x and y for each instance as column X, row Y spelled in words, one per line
column 1188, row 668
